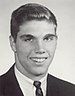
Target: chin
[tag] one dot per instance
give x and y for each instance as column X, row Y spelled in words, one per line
column 40, row 73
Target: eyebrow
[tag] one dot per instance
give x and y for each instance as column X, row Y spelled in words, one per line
column 27, row 35
column 50, row 35
column 31, row 36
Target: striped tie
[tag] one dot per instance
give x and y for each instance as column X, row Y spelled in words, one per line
column 37, row 84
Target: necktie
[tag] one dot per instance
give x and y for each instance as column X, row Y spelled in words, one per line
column 37, row 84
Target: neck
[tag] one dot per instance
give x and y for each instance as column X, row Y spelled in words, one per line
column 32, row 77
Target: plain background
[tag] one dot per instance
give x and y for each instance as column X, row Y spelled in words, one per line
column 63, row 65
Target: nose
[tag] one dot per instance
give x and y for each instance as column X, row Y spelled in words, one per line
column 39, row 49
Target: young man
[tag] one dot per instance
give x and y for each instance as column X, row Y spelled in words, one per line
column 33, row 40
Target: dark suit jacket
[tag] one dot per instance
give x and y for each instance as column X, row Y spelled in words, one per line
column 55, row 87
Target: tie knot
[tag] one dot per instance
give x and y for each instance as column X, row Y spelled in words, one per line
column 37, row 84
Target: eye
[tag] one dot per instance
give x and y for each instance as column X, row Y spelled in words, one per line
column 27, row 39
column 49, row 38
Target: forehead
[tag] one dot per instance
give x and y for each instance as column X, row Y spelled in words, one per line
column 37, row 28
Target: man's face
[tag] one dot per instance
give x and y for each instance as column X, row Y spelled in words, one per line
column 34, row 48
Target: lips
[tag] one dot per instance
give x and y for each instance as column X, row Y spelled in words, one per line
column 38, row 59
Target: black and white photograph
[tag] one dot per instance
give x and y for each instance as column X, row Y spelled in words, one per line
column 37, row 48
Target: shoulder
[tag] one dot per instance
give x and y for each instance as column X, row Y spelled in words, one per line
column 60, row 84
column 9, row 84
column 7, row 76
column 59, row 81
column 7, row 80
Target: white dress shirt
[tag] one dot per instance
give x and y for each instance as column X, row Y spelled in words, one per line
column 26, row 84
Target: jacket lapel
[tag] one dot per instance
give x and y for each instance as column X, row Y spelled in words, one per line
column 52, row 89
column 11, row 85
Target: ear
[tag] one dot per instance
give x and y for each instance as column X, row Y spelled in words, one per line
column 12, row 43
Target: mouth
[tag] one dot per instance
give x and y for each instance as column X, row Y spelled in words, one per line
column 38, row 59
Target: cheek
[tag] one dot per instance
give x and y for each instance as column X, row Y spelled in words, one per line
column 51, row 47
column 23, row 49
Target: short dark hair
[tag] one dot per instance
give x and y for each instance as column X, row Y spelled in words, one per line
column 27, row 12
